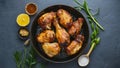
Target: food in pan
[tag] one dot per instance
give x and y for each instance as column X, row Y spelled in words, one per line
column 51, row 49
column 65, row 18
column 75, row 45
column 58, row 29
column 61, row 34
column 76, row 27
column 46, row 20
column 46, row 36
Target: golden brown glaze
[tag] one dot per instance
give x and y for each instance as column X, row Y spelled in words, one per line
column 46, row 20
column 51, row 49
column 65, row 18
column 61, row 21
column 61, row 34
column 76, row 27
column 75, row 45
column 46, row 36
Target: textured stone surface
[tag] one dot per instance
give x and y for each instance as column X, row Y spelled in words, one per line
column 106, row 55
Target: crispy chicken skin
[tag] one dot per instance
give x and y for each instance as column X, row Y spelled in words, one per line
column 76, row 27
column 75, row 45
column 51, row 49
column 46, row 20
column 65, row 18
column 61, row 34
column 46, row 36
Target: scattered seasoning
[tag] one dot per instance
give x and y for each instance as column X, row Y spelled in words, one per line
column 31, row 8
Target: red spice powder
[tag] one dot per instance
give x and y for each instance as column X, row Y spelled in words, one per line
column 31, row 8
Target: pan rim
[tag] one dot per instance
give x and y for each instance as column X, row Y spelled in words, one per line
column 47, row 59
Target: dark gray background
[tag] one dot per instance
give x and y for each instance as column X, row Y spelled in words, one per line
column 106, row 55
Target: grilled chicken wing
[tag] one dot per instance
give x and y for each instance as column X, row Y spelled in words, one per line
column 46, row 36
column 51, row 49
column 76, row 27
column 75, row 45
column 46, row 19
column 61, row 34
column 65, row 18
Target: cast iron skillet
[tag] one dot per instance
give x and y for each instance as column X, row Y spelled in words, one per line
column 62, row 57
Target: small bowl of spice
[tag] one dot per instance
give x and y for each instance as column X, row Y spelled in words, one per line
column 31, row 8
column 23, row 33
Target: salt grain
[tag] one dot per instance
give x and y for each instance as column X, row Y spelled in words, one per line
column 83, row 60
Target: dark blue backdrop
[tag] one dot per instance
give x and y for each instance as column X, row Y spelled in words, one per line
column 106, row 55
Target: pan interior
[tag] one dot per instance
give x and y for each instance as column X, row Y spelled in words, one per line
column 62, row 57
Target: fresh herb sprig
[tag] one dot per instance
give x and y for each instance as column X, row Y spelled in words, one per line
column 85, row 7
column 26, row 59
column 95, row 26
column 18, row 57
column 31, row 60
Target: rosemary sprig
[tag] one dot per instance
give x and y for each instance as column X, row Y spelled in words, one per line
column 18, row 57
column 30, row 60
column 26, row 59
